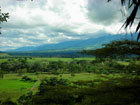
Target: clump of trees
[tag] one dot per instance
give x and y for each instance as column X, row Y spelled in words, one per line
column 26, row 78
column 56, row 91
column 8, row 101
column 101, row 65
column 13, row 65
column 117, row 49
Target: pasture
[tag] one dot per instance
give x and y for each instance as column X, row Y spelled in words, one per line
column 12, row 86
column 88, row 72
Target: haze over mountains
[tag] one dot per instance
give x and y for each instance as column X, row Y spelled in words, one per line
column 74, row 45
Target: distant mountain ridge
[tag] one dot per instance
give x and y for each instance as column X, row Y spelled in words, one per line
column 73, row 45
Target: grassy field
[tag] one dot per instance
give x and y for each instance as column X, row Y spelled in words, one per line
column 3, row 60
column 58, row 59
column 11, row 86
column 39, row 59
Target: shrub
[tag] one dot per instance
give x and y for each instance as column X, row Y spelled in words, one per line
column 72, row 74
column 26, row 78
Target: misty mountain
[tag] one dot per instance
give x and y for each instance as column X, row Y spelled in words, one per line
column 73, row 45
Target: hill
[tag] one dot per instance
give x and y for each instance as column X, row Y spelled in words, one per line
column 73, row 45
column 67, row 48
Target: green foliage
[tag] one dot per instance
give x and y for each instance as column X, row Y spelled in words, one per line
column 54, row 82
column 13, row 65
column 7, row 102
column 103, row 65
column 25, row 99
column 1, row 74
column 134, row 6
column 133, row 68
column 121, row 91
column 115, row 49
column 104, row 86
column 26, row 78
column 72, row 74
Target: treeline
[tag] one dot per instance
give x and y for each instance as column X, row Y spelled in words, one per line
column 63, row 54
column 104, row 66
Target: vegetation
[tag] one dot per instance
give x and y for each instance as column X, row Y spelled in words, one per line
column 102, row 81
column 115, row 49
column 58, row 91
column 69, row 82
column 105, row 66
column 134, row 6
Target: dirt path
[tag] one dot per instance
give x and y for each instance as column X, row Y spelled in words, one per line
column 31, row 90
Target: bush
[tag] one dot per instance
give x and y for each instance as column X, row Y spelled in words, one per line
column 1, row 74
column 8, row 102
column 54, row 82
column 72, row 74
column 26, row 78
column 133, row 68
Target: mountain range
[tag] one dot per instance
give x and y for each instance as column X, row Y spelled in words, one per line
column 73, row 45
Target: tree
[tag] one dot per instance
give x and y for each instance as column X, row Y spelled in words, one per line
column 116, row 48
column 134, row 5
column 3, row 17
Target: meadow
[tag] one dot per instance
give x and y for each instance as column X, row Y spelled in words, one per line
column 12, row 86
column 81, row 73
column 58, row 59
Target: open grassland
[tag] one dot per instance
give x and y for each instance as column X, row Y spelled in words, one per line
column 3, row 60
column 102, row 73
column 11, row 86
column 43, row 59
column 58, row 59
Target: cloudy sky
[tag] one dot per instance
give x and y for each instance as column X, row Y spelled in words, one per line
column 39, row 22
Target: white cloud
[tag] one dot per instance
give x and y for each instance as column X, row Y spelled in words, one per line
column 53, row 21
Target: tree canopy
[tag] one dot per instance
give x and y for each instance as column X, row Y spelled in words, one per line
column 116, row 48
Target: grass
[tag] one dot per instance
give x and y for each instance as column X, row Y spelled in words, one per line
column 12, row 87
column 39, row 59
column 123, row 63
column 58, row 59
column 3, row 60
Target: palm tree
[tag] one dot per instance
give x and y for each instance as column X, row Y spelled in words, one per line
column 3, row 17
column 134, row 5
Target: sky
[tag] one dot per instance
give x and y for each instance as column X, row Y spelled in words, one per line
column 38, row 22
